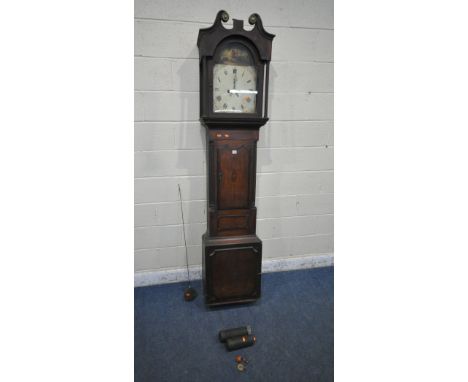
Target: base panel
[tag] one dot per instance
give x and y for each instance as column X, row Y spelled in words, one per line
column 232, row 269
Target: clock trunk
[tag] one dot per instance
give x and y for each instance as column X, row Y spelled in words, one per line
column 231, row 250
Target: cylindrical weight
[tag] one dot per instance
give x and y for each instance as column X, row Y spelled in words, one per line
column 235, row 332
column 234, row 343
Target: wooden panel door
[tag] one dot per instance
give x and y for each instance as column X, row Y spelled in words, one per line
column 233, row 167
column 236, row 273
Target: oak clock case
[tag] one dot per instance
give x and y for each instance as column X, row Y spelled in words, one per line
column 234, row 65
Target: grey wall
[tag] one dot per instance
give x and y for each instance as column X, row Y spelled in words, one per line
column 295, row 154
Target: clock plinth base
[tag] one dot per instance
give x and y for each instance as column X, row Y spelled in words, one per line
column 232, row 269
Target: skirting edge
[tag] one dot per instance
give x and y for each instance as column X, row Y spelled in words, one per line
column 167, row 276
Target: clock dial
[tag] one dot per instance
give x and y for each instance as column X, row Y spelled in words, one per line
column 234, row 82
column 234, row 89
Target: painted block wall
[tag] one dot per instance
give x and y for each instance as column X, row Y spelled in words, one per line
column 295, row 150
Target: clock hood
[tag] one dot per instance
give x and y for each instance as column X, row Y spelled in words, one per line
column 209, row 38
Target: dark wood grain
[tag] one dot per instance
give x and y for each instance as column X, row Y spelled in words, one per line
column 232, row 252
column 234, row 158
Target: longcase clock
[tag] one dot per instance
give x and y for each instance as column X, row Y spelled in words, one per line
column 234, row 65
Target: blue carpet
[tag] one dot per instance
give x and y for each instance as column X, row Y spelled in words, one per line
column 293, row 322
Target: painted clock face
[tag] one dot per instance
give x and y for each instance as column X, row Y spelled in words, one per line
column 234, row 81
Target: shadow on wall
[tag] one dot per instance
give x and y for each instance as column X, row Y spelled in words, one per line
column 185, row 74
column 264, row 156
column 187, row 144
